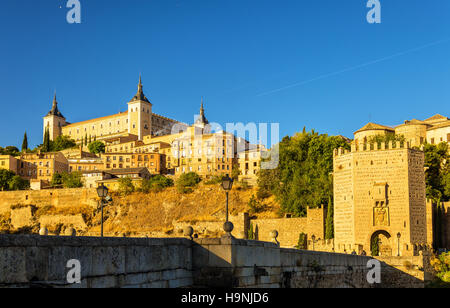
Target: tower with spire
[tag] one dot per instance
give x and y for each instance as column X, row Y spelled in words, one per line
column 140, row 114
column 54, row 121
column 201, row 120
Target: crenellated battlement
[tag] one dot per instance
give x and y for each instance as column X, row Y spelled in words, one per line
column 367, row 147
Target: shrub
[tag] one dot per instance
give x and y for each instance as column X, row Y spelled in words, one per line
column 96, row 147
column 187, row 181
column 156, row 184
column 214, row 180
column 251, row 234
column 441, row 265
column 302, row 241
column 255, row 206
column 263, row 193
column 126, row 186
column 17, row 183
column 72, row 180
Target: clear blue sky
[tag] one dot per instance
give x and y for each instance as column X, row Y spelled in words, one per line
column 313, row 63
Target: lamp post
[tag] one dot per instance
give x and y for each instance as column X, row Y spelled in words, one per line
column 102, row 192
column 313, row 237
column 227, row 184
column 398, row 242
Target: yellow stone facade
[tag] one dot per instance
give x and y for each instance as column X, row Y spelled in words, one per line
column 416, row 132
column 380, row 192
column 137, row 120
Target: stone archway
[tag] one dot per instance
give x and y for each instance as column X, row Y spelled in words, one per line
column 380, row 243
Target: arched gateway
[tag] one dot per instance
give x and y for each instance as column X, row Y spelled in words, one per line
column 380, row 243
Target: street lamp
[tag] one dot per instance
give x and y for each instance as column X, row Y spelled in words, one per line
column 102, row 192
column 313, row 237
column 227, row 184
column 398, row 240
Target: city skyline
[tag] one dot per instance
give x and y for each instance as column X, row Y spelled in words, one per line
column 384, row 73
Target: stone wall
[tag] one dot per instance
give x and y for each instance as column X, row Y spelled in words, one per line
column 252, row 264
column 446, row 225
column 432, row 224
column 34, row 261
column 55, row 197
column 288, row 229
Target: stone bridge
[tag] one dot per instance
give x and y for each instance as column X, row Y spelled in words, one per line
column 41, row 261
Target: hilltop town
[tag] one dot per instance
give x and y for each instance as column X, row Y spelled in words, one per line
column 385, row 197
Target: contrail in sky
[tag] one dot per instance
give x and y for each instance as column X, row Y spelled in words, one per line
column 354, row 67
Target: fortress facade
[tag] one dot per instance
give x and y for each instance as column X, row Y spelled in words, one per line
column 433, row 130
column 380, row 199
column 138, row 120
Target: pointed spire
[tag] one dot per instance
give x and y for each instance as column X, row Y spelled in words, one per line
column 201, row 119
column 140, row 93
column 54, row 111
column 55, row 103
column 202, row 110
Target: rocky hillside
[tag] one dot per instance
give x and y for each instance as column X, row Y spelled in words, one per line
column 161, row 214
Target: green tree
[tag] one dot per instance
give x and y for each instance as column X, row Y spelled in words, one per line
column 156, row 183
column 255, row 206
column 46, row 146
column 379, row 139
column 375, row 246
column 250, row 233
column 96, row 147
column 57, row 180
column 18, row 183
column 5, row 178
column 10, row 150
column 25, row 143
column 329, row 224
column 187, row 181
column 61, row 143
column 302, row 241
column 303, row 176
column 235, row 171
column 86, row 140
column 126, row 186
column 437, row 173
column 72, row 180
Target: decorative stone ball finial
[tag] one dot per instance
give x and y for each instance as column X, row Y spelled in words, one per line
column 70, row 232
column 189, row 231
column 274, row 236
column 43, row 231
column 228, row 227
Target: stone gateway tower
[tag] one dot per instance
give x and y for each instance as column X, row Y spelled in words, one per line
column 380, row 199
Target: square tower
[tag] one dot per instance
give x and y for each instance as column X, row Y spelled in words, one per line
column 379, row 199
column 54, row 121
column 140, row 114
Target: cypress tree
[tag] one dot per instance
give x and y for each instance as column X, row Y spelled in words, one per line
column 86, row 140
column 329, row 224
column 25, row 143
column 90, row 139
column 251, row 235
column 46, row 145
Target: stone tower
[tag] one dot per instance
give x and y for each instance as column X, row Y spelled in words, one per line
column 54, row 121
column 380, row 197
column 139, row 114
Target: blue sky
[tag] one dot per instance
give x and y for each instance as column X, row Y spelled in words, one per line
column 313, row 63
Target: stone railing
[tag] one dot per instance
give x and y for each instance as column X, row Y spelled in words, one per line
column 42, row 261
